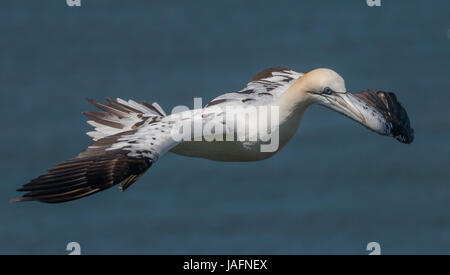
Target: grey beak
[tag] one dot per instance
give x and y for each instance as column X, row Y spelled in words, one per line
column 344, row 103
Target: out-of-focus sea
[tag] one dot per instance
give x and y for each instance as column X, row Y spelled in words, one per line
column 334, row 188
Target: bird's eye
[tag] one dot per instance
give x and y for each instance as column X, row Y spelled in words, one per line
column 327, row 91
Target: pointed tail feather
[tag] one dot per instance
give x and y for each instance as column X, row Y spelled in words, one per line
column 120, row 115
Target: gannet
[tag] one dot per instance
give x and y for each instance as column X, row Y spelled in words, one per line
column 130, row 137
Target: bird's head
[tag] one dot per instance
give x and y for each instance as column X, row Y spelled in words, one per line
column 380, row 112
column 327, row 88
column 323, row 82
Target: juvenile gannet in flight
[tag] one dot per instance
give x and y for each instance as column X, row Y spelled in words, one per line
column 130, row 137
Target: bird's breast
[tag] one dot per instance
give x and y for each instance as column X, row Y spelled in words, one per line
column 242, row 145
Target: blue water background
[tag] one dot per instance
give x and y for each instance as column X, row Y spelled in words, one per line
column 334, row 188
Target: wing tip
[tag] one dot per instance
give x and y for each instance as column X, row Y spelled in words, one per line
column 393, row 111
column 20, row 199
column 81, row 177
column 406, row 138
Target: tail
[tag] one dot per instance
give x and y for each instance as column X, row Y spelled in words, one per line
column 120, row 116
column 120, row 154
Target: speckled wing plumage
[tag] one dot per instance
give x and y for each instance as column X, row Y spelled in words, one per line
column 128, row 139
column 263, row 88
column 395, row 115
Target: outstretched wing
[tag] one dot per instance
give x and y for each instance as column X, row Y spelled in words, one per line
column 120, row 158
column 386, row 104
column 263, row 88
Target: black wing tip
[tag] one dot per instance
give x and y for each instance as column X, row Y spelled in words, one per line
column 83, row 177
column 407, row 138
column 23, row 198
column 20, row 199
column 394, row 113
column 401, row 130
